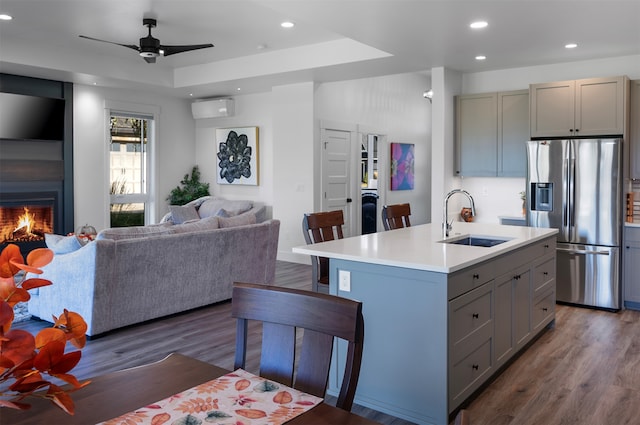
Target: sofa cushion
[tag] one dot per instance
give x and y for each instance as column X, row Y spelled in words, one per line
column 182, row 213
column 212, row 207
column 62, row 244
column 134, row 232
column 196, row 225
column 239, row 220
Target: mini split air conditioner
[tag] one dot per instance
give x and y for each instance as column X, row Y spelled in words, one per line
column 212, row 108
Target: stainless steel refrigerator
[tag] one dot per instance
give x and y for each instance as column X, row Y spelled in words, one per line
column 575, row 185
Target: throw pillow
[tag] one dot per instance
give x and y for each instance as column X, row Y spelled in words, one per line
column 62, row 244
column 182, row 213
column 239, row 220
column 208, row 223
column 134, row 232
column 212, row 207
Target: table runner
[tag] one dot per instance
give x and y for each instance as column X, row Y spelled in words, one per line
column 238, row 398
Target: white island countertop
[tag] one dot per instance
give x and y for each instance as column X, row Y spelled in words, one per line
column 419, row 247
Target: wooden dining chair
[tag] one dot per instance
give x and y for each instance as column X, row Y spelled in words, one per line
column 322, row 316
column 462, row 418
column 396, row 216
column 321, row 227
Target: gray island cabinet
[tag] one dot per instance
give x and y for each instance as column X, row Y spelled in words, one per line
column 440, row 318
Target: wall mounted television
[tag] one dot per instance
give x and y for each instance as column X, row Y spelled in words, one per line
column 25, row 117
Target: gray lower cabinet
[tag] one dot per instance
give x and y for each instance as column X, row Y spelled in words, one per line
column 491, row 131
column 631, row 267
column 497, row 316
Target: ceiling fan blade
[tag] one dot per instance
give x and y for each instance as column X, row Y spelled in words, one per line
column 172, row 50
column 130, row 46
column 150, row 60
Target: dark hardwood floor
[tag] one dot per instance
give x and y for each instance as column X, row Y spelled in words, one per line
column 585, row 370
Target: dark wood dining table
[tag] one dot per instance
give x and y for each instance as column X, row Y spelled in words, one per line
column 114, row 394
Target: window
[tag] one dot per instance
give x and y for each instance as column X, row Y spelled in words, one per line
column 130, row 137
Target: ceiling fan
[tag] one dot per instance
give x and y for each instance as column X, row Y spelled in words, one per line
column 150, row 47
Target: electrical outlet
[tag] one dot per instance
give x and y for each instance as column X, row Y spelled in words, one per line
column 344, row 280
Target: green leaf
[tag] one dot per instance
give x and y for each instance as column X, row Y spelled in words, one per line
column 266, row 386
column 214, row 415
column 187, row 420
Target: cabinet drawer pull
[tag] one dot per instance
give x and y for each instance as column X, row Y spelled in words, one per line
column 545, row 273
column 545, row 309
column 476, row 276
column 475, row 315
column 475, row 367
column 546, row 245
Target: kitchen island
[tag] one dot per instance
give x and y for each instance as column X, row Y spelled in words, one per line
column 440, row 318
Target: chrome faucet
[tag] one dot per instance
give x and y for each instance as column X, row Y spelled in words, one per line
column 446, row 224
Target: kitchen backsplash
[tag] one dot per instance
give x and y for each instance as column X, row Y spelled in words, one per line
column 633, row 202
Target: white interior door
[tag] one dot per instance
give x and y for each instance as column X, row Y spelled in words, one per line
column 336, row 159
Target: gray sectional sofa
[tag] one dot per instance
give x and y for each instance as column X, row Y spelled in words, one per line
column 130, row 275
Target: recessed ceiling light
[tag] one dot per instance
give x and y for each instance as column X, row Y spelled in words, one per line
column 238, row 89
column 287, row 24
column 480, row 57
column 570, row 46
column 478, row 24
column 5, row 17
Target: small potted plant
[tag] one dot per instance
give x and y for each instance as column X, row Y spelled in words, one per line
column 30, row 364
column 192, row 188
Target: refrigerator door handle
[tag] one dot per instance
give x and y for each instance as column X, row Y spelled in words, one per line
column 571, row 195
column 582, row 251
column 565, row 202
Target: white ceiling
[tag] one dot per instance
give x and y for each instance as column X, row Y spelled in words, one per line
column 332, row 40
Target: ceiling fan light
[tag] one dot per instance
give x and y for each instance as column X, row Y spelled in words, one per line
column 149, row 54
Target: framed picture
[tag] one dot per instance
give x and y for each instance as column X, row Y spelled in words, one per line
column 402, row 162
column 237, row 156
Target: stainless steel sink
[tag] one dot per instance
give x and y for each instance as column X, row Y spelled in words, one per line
column 476, row 240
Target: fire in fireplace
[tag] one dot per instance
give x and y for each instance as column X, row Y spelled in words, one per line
column 26, row 216
column 27, row 223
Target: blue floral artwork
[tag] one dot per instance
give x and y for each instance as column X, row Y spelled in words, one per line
column 237, row 155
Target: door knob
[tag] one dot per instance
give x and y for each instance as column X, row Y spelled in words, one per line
column 349, row 200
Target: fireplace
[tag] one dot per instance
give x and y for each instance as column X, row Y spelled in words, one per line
column 26, row 217
column 36, row 167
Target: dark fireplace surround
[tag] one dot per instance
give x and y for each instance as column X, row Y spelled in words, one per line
column 36, row 176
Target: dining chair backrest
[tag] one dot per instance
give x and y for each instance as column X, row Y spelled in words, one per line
column 321, row 227
column 322, row 316
column 396, row 216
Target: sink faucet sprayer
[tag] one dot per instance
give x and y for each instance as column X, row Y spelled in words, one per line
column 447, row 225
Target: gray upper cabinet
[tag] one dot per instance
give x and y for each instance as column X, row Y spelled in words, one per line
column 513, row 133
column 491, row 131
column 477, row 134
column 634, row 136
column 589, row 107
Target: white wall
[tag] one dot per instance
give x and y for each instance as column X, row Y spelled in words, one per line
column 496, row 197
column 174, row 150
column 288, row 118
column 446, row 84
column 393, row 106
column 292, row 168
column 250, row 111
